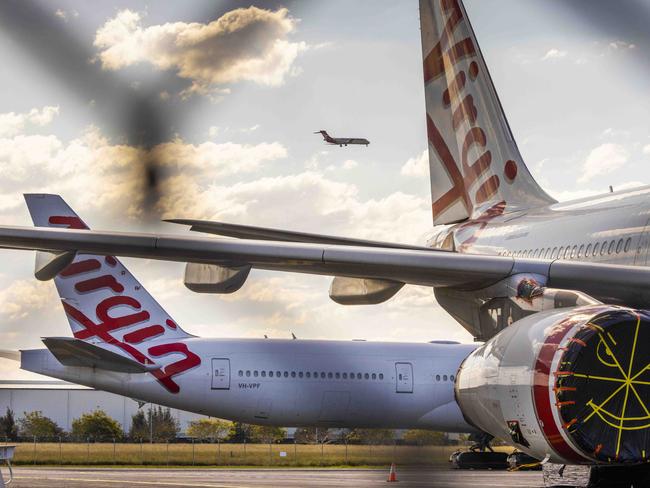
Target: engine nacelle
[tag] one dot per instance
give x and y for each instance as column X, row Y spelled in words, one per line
column 571, row 385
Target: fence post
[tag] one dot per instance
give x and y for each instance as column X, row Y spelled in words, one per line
column 295, row 452
column 192, row 452
column 346, row 451
column 321, row 452
column 88, row 450
column 141, row 452
column 167, row 452
column 60, row 451
column 114, row 452
column 270, row 453
column 34, row 454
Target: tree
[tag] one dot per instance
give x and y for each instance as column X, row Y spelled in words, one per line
column 215, row 429
column 267, row 433
column 8, row 427
column 311, row 435
column 97, row 426
column 35, row 424
column 239, row 432
column 165, row 426
column 371, row 436
column 425, row 437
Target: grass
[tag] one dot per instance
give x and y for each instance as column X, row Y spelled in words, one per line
column 300, row 455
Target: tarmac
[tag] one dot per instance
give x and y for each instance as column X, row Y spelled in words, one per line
column 252, row 478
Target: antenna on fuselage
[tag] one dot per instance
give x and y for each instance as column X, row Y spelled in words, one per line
column 611, row 189
column 293, row 336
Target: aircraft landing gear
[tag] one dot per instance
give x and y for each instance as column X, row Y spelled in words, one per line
column 480, row 455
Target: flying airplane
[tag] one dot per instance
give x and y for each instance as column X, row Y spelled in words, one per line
column 558, row 292
column 342, row 141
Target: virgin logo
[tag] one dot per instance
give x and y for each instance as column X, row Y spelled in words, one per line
column 443, row 61
column 108, row 322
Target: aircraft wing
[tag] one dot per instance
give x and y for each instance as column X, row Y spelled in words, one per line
column 611, row 283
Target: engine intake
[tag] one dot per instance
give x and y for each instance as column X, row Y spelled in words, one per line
column 572, row 385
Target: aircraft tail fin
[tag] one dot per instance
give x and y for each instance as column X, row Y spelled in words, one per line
column 475, row 166
column 107, row 307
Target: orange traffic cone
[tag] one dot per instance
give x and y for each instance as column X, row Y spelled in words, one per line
column 392, row 475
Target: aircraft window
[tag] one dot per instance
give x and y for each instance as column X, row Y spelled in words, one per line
column 308, row 374
column 329, row 375
column 255, row 373
column 437, row 377
column 345, row 376
column 241, row 373
column 263, row 374
column 293, row 374
column 278, row 374
column 610, row 249
column 381, row 376
column 270, row 374
column 561, row 253
column 603, row 248
column 596, row 246
column 400, row 376
column 300, row 374
column 366, row 376
column 547, row 254
column 538, row 253
column 444, row 377
column 574, row 252
column 322, row 374
column 359, row 376
column 451, row 377
column 351, row 376
column 248, row 373
column 619, row 246
column 567, row 252
column 337, row 375
column 628, row 242
column 588, row 251
column 580, row 249
column 286, row 374
column 554, row 253
column 374, row 376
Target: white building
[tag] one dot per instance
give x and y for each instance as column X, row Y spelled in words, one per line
column 63, row 402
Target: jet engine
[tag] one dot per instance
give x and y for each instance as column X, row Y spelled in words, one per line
column 570, row 385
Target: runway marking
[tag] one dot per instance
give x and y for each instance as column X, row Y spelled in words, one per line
column 122, row 481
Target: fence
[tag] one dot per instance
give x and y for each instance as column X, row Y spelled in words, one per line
column 226, row 454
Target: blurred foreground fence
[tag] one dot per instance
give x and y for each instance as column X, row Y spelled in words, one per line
column 227, row 454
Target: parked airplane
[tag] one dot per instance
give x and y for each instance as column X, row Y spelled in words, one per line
column 342, row 141
column 557, row 291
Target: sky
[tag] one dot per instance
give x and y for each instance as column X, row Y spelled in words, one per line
column 233, row 92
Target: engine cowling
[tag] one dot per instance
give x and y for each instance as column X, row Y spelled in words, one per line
column 570, row 385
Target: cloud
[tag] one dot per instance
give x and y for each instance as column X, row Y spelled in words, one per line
column 603, row 160
column 646, row 149
column 245, row 44
column 12, row 123
column 619, row 45
column 25, row 297
column 310, row 199
column 554, row 54
column 417, row 166
column 109, row 173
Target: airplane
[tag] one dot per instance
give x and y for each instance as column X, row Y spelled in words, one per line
column 342, row 141
column 558, row 294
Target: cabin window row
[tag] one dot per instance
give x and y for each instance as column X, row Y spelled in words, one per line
column 309, row 375
column 444, row 377
column 575, row 252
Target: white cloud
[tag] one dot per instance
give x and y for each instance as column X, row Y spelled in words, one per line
column 12, row 123
column 417, row 166
column 554, row 54
column 619, row 45
column 245, row 44
column 349, row 164
column 646, row 149
column 25, row 297
column 603, row 160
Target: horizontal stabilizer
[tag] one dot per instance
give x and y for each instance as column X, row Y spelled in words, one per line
column 267, row 234
column 48, row 264
column 75, row 352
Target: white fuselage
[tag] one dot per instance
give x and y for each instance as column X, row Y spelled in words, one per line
column 299, row 382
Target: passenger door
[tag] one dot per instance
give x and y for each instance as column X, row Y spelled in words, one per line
column 220, row 374
column 404, row 377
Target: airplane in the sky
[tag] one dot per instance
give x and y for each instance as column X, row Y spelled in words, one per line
column 559, row 292
column 342, row 141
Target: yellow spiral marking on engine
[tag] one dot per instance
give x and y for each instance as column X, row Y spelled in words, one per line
column 626, row 381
